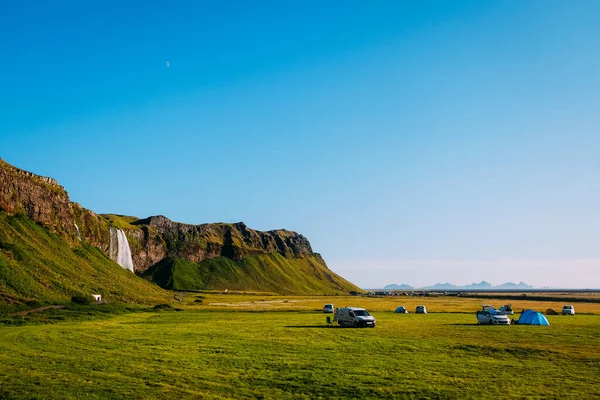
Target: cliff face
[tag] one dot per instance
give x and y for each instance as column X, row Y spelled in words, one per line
column 158, row 238
column 44, row 201
column 39, row 198
column 151, row 240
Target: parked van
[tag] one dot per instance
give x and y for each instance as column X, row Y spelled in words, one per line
column 353, row 316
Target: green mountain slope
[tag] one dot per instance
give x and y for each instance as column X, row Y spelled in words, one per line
column 257, row 272
column 36, row 263
column 52, row 248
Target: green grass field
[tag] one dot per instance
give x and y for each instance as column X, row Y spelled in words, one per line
column 207, row 352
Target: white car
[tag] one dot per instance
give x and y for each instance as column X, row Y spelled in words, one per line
column 568, row 310
column 489, row 316
column 421, row 310
column 328, row 308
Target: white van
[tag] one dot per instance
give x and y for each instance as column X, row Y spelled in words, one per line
column 353, row 316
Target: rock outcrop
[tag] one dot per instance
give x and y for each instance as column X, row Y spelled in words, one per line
column 158, row 237
column 44, row 201
column 40, row 198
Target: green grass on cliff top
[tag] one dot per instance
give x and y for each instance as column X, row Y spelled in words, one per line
column 293, row 355
column 260, row 272
column 35, row 263
column 121, row 221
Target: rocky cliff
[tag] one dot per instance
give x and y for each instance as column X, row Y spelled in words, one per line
column 151, row 239
column 39, row 198
column 44, row 201
column 155, row 239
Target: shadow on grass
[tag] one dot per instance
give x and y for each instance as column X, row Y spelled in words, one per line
column 482, row 325
column 313, row 326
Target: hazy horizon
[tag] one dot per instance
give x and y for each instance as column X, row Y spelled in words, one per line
column 410, row 142
column 422, row 273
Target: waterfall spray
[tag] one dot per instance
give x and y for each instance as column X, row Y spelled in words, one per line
column 124, row 253
column 78, row 233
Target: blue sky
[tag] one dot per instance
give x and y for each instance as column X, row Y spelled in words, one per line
column 411, row 142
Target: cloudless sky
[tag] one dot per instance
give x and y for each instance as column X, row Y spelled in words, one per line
column 410, row 142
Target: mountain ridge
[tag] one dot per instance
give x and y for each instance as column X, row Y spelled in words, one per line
column 395, row 286
column 157, row 238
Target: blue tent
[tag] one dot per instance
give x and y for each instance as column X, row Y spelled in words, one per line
column 530, row 317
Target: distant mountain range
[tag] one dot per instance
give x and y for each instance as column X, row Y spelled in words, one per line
column 510, row 285
column 483, row 285
column 398, row 287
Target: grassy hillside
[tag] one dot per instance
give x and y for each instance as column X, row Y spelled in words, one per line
column 35, row 263
column 260, row 272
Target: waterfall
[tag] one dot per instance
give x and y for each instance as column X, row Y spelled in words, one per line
column 119, row 249
column 124, row 253
column 78, row 233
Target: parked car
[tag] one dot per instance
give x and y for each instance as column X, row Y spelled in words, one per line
column 354, row 316
column 421, row 310
column 568, row 310
column 328, row 308
column 507, row 309
column 401, row 310
column 487, row 315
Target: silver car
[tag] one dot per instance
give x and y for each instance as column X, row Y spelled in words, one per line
column 489, row 316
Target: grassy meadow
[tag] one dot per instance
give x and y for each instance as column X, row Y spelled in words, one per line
column 253, row 346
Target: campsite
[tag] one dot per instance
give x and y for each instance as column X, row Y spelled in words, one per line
column 242, row 345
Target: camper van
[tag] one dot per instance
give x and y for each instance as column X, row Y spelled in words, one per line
column 353, row 316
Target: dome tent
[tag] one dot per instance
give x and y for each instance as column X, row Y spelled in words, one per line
column 530, row 317
column 401, row 310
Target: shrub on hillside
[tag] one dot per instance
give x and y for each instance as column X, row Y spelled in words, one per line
column 82, row 299
column 34, row 303
column 163, row 307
